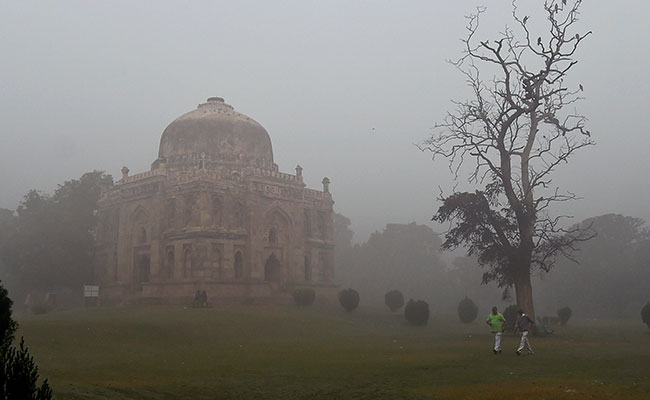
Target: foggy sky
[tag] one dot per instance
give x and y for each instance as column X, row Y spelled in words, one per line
column 344, row 88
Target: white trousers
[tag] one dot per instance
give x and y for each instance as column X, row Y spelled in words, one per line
column 497, row 341
column 524, row 342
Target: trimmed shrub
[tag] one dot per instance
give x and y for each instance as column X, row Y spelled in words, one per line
column 394, row 300
column 417, row 312
column 510, row 314
column 349, row 299
column 467, row 310
column 304, row 296
column 645, row 314
column 564, row 314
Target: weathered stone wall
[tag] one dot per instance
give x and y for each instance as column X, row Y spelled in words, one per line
column 254, row 235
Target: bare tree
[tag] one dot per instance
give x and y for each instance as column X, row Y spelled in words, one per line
column 517, row 130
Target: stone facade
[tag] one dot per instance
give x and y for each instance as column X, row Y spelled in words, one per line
column 214, row 213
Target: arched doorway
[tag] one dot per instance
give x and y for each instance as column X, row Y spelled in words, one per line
column 272, row 269
column 239, row 265
column 141, row 271
column 171, row 261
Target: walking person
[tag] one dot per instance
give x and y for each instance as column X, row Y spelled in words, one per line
column 524, row 324
column 496, row 322
column 197, row 299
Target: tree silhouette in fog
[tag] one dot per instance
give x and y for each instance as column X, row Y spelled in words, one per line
column 49, row 242
column 516, row 130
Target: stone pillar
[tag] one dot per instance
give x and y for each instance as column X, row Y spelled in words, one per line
column 326, row 185
column 299, row 173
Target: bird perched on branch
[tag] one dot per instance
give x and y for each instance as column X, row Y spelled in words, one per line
column 539, row 41
column 581, row 88
column 525, row 19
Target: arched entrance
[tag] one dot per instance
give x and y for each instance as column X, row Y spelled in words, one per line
column 272, row 269
column 239, row 265
column 141, row 271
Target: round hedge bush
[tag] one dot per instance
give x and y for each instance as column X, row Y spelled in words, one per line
column 304, row 296
column 467, row 310
column 394, row 300
column 349, row 299
column 645, row 314
column 564, row 314
column 417, row 312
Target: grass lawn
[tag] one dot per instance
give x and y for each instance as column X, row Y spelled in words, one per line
column 282, row 352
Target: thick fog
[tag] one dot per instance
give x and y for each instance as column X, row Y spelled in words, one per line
column 344, row 89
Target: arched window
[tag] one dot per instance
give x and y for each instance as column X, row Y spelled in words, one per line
column 170, row 210
column 187, row 259
column 307, row 222
column 216, row 210
column 322, row 224
column 307, row 268
column 169, row 270
column 239, row 215
column 142, row 237
column 192, row 210
column 273, row 235
column 239, row 265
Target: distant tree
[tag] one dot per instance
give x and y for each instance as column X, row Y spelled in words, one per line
column 517, row 131
column 612, row 272
column 394, row 300
column 564, row 314
column 465, row 276
column 645, row 314
column 52, row 242
column 402, row 255
column 349, row 299
column 342, row 232
column 417, row 312
column 304, row 296
column 467, row 310
column 18, row 371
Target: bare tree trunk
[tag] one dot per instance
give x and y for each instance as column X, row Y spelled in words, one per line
column 524, row 293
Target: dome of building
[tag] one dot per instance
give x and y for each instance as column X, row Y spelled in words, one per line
column 216, row 131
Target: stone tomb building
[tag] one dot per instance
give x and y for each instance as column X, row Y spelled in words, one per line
column 214, row 213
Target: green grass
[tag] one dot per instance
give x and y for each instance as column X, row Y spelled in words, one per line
column 276, row 352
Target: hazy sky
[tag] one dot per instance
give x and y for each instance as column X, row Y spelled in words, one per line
column 344, row 88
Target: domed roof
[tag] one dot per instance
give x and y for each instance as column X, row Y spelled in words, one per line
column 218, row 131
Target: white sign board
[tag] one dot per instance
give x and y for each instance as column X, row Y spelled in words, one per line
column 91, row 291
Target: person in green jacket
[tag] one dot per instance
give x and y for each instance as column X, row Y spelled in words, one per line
column 496, row 322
